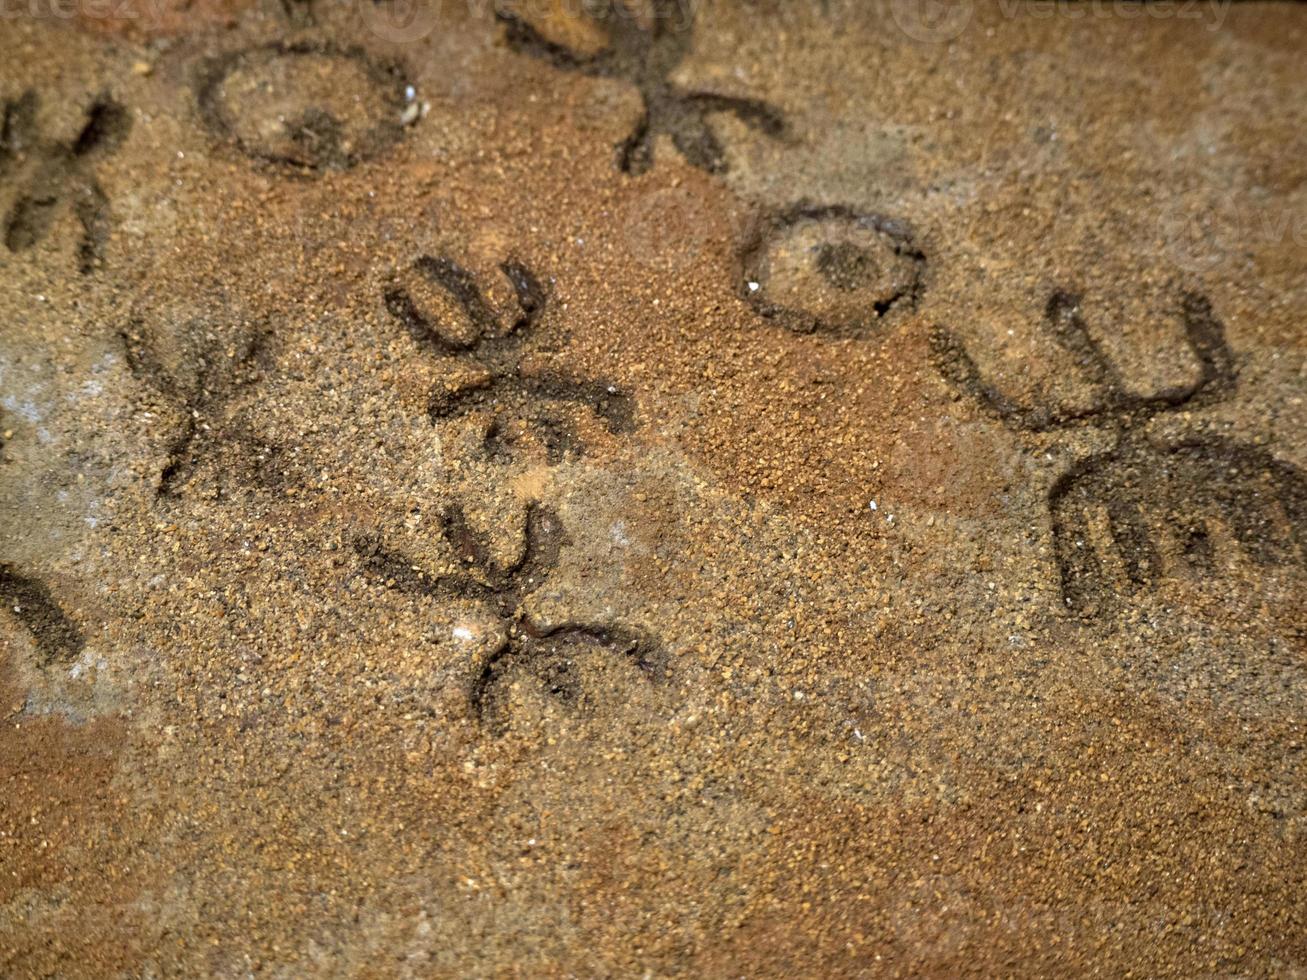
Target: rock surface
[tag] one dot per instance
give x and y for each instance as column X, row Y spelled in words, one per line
column 733, row 489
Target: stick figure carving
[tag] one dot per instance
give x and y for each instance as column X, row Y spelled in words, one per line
column 645, row 55
column 560, row 658
column 60, row 173
column 1126, row 517
column 493, row 343
column 211, row 370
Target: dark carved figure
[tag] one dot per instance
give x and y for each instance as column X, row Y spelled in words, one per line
column 57, row 638
column 508, row 394
column 559, row 658
column 207, row 372
column 1123, row 517
column 645, row 54
column 831, row 269
column 303, row 107
column 58, row 174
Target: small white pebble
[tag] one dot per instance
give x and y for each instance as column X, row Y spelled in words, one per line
column 754, row 287
column 410, row 93
column 872, row 505
column 462, row 633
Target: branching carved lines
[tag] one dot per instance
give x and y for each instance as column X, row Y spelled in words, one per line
column 645, row 54
column 1125, row 518
column 494, row 347
column 207, row 379
column 1114, row 406
column 501, row 587
column 524, row 648
column 60, row 173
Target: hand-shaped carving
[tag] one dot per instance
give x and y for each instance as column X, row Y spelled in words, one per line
column 1166, row 503
column 645, row 55
column 1122, row 517
column 61, row 173
column 511, row 396
column 555, row 656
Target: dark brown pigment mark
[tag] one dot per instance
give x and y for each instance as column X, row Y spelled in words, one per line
column 1161, row 503
column 299, row 14
column 494, row 346
column 57, row 638
column 311, row 135
column 646, row 54
column 209, row 376
column 524, row 648
column 60, row 173
column 831, row 269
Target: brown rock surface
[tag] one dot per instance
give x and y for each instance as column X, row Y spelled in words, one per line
column 425, row 551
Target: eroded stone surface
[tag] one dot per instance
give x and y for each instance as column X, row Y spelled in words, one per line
column 779, row 679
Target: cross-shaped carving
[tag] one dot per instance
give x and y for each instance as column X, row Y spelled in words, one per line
column 645, row 54
column 59, row 173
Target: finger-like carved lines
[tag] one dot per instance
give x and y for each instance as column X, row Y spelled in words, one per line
column 1164, row 507
column 525, row 648
column 1114, row 406
column 56, row 637
column 501, row 389
column 1124, row 518
column 201, row 389
column 646, row 54
column 60, row 173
